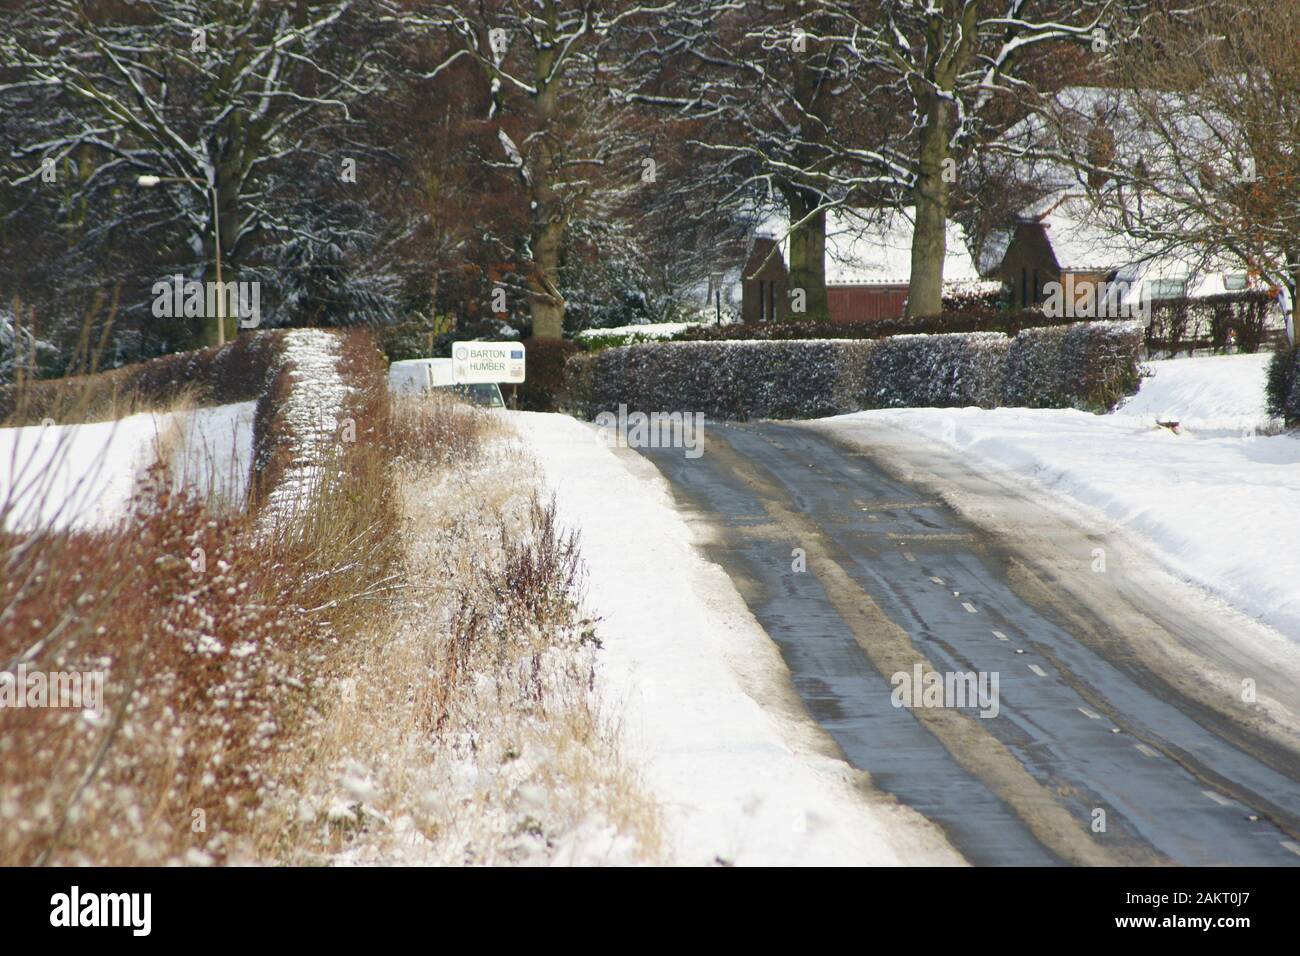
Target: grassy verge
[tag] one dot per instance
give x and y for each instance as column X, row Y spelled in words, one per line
column 465, row 726
column 209, row 635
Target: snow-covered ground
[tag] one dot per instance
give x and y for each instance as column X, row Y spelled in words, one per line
column 214, row 456
column 1216, row 502
column 1214, row 395
column 84, row 476
column 744, row 775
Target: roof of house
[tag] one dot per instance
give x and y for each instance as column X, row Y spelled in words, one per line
column 1081, row 240
column 1084, row 239
column 994, row 250
column 874, row 247
column 1135, row 128
column 1139, row 128
column 762, row 262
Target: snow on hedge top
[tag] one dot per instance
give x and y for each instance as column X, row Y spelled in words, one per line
column 312, row 414
column 651, row 330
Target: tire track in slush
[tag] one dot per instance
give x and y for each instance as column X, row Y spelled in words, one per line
column 1159, row 799
column 993, row 810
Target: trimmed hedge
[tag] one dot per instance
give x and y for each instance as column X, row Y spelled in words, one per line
column 594, row 343
column 1283, row 385
column 1182, row 325
column 733, row 380
column 1089, row 365
column 935, row 371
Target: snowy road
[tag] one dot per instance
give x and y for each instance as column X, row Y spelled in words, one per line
column 1120, row 735
column 705, row 703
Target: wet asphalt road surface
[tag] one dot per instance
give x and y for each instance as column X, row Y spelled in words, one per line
column 1083, row 762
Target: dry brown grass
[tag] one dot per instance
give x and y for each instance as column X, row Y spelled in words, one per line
column 400, row 672
column 185, row 704
column 467, row 729
column 213, row 637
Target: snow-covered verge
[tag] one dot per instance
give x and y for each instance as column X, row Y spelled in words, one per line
column 1210, row 396
column 744, row 775
column 84, row 476
column 1216, row 501
column 211, row 452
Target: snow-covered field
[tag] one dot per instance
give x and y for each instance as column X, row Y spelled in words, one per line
column 1216, row 502
column 84, row 476
column 744, row 775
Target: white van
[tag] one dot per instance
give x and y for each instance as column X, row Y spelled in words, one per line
column 421, row 376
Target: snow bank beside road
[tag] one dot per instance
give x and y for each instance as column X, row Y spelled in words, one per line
column 84, row 476
column 741, row 781
column 1217, row 502
column 213, row 453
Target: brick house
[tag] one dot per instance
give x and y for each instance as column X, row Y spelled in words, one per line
column 868, row 266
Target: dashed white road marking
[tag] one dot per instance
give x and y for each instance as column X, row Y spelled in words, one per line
column 1089, row 714
column 1218, row 798
column 1000, row 636
column 1038, row 670
column 968, row 606
column 936, row 580
column 1292, row 846
column 1149, row 751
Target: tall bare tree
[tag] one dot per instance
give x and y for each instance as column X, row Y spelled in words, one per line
column 835, row 103
column 218, row 95
column 946, row 64
column 772, row 114
column 560, row 136
column 1204, row 160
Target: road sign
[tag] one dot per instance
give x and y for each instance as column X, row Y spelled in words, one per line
column 487, row 362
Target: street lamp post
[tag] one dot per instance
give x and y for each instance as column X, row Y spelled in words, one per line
column 150, row 181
